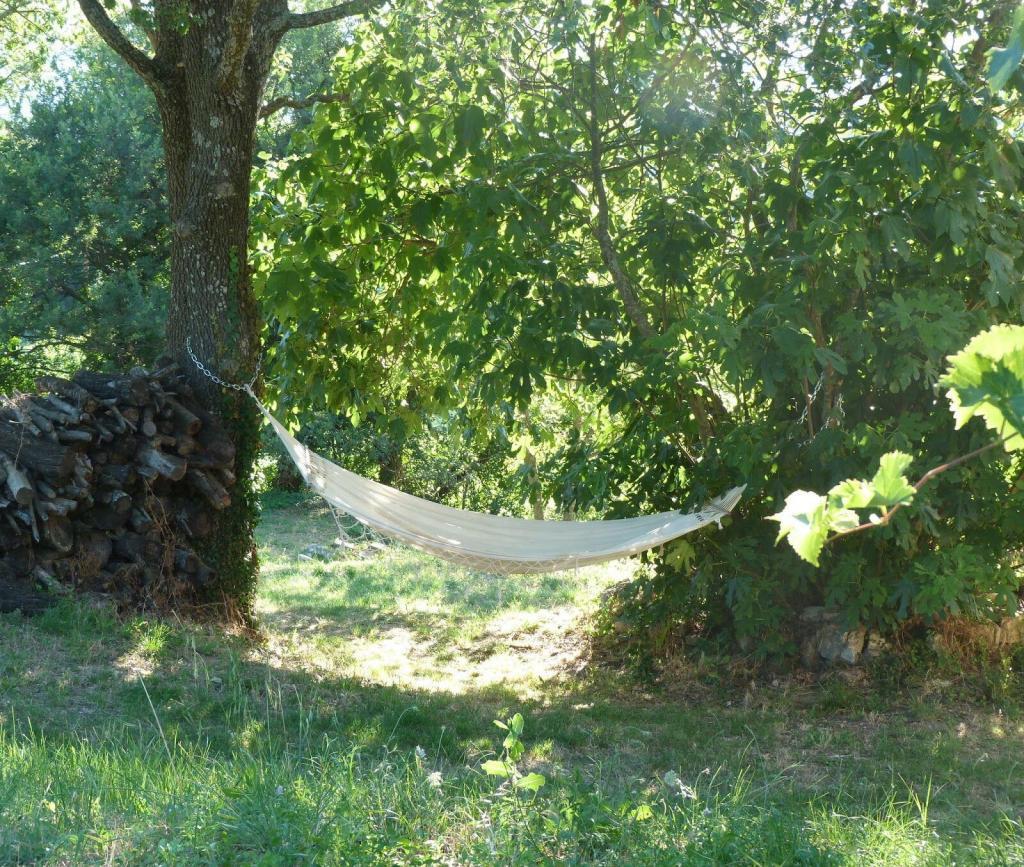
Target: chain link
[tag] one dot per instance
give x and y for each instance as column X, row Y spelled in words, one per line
column 814, row 397
column 209, row 374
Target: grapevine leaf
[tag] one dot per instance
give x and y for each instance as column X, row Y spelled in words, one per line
column 804, row 523
column 986, row 378
column 531, row 782
column 891, row 486
column 494, row 768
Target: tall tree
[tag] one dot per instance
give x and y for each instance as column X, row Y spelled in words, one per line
column 794, row 212
column 207, row 64
column 83, row 234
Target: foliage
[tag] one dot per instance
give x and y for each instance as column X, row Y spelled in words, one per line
column 986, row 378
column 1004, row 62
column 83, row 234
column 507, row 766
column 24, row 44
column 752, row 235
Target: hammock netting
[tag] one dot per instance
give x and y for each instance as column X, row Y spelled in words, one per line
column 489, row 543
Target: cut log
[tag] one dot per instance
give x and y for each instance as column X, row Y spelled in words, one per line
column 210, row 488
column 20, row 414
column 92, row 554
column 148, row 425
column 193, row 519
column 65, row 409
column 68, row 390
column 118, row 500
column 52, row 460
column 57, row 506
column 45, row 579
column 105, row 386
column 169, row 466
column 117, row 475
column 186, row 561
column 130, row 546
column 58, row 533
column 186, row 421
column 74, row 435
column 107, row 518
column 17, row 482
column 16, row 595
column 140, row 520
column 42, row 421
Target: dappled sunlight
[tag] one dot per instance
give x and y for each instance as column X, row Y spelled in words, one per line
column 399, row 617
column 403, row 619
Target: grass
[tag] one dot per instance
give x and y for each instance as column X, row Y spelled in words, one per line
column 355, row 733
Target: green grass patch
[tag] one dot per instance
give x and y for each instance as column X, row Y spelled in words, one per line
column 355, row 734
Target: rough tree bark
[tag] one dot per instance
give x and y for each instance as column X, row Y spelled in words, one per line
column 207, row 67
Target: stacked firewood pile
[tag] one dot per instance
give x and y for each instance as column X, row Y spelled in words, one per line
column 106, row 481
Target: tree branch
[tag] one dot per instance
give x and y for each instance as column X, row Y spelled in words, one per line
column 602, row 226
column 138, row 60
column 239, row 37
column 298, row 20
column 610, row 256
column 920, row 483
column 280, row 102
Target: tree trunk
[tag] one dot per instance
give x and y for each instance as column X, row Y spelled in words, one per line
column 209, row 64
column 392, row 465
column 208, row 131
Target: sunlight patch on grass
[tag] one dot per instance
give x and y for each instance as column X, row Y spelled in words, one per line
column 402, row 618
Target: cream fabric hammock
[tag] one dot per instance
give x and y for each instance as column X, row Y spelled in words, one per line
column 490, row 543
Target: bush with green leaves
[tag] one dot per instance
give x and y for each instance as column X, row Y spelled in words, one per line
column 754, row 233
column 985, row 380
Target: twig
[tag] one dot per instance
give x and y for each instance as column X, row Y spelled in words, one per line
column 920, row 483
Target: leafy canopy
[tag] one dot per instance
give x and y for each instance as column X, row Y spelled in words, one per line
column 751, row 234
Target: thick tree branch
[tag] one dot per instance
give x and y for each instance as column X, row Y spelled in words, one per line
column 297, row 20
column 144, row 65
column 602, row 226
column 239, row 38
column 281, row 102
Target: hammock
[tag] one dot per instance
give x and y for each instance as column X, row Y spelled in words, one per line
column 490, row 543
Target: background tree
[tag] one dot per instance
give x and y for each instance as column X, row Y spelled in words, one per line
column 83, row 231
column 25, row 29
column 756, row 232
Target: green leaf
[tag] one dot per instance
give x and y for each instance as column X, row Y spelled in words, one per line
column 680, row 554
column 891, row 486
column 494, row 768
column 469, row 126
column 516, row 724
column 804, row 523
column 851, row 494
column 986, row 378
column 1003, row 62
column 642, row 813
column 531, row 782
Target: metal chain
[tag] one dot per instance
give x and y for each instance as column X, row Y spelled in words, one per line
column 209, row 374
column 814, row 397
